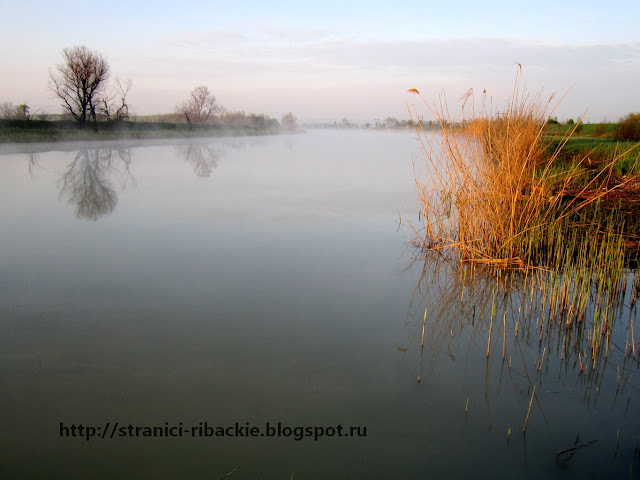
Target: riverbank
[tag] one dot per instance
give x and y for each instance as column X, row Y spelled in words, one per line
column 23, row 131
column 594, row 145
column 588, row 161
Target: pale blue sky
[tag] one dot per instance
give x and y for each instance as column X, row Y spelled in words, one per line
column 326, row 60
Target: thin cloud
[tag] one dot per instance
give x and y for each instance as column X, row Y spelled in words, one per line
column 204, row 39
column 417, row 55
column 297, row 35
column 336, row 53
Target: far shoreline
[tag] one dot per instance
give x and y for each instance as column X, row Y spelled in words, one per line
column 64, row 131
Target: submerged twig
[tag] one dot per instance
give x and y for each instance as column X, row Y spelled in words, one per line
column 574, row 448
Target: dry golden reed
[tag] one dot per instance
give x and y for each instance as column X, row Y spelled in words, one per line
column 489, row 189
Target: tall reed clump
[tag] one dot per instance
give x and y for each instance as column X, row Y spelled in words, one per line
column 490, row 190
column 492, row 196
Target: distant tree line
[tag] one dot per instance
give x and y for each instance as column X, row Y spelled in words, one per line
column 9, row 110
column 201, row 108
column 242, row 119
column 389, row 122
column 82, row 83
column 629, row 128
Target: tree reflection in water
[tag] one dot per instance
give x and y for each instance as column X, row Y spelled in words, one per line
column 33, row 159
column 202, row 157
column 88, row 181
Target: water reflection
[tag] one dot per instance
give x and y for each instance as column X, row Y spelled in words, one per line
column 202, row 157
column 89, row 178
column 180, row 306
column 33, row 159
column 497, row 339
column 92, row 180
column 458, row 309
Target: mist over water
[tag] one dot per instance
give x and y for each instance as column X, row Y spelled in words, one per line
column 264, row 279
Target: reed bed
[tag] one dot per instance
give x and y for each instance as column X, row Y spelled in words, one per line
column 492, row 190
column 494, row 201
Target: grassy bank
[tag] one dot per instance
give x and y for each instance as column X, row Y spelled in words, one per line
column 588, row 161
column 22, row 131
column 592, row 146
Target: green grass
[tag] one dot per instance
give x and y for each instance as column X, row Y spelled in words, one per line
column 598, row 130
column 598, row 152
column 592, row 145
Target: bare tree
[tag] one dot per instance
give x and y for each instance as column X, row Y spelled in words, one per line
column 201, row 106
column 79, row 82
column 113, row 104
column 7, row 109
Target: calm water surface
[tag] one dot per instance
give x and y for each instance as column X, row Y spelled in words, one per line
column 258, row 280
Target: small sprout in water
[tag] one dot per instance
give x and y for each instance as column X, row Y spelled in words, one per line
column 418, row 378
column 508, row 433
column 466, row 407
column 229, row 474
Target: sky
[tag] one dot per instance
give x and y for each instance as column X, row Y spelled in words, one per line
column 332, row 59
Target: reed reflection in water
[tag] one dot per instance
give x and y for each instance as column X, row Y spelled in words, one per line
column 535, row 361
